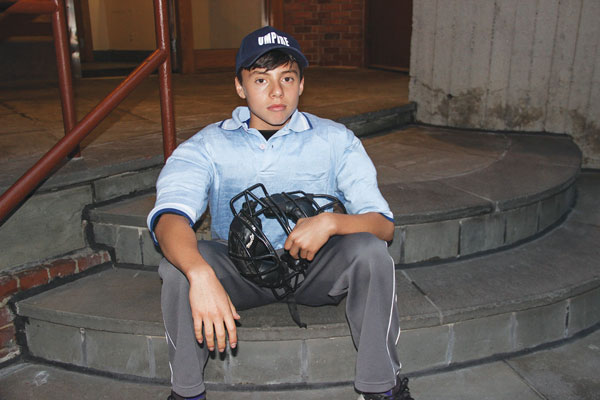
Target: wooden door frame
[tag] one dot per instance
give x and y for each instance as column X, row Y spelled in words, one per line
column 366, row 54
column 189, row 59
column 192, row 60
column 185, row 36
column 84, row 30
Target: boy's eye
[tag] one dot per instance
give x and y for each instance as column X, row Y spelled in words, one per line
column 288, row 79
column 260, row 80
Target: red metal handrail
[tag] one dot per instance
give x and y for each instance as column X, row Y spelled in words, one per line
column 75, row 133
column 61, row 47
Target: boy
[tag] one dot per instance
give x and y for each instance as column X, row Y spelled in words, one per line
column 272, row 143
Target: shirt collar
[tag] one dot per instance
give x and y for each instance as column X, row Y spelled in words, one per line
column 241, row 117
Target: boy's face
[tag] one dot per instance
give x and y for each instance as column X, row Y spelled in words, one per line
column 272, row 96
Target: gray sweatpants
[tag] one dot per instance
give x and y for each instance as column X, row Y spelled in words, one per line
column 356, row 265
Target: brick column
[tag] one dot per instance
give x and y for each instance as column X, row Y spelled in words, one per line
column 330, row 32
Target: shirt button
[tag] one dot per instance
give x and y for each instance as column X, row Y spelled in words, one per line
column 262, row 146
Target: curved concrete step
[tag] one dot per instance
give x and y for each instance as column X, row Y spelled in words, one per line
column 540, row 292
column 533, row 376
column 453, row 193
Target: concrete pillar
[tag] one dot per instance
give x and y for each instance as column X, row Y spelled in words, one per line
column 509, row 65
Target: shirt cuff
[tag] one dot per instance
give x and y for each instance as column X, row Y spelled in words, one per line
column 167, row 209
column 387, row 217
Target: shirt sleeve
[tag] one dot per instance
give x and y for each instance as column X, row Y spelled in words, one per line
column 183, row 184
column 356, row 179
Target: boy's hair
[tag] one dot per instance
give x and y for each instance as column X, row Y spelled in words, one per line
column 271, row 60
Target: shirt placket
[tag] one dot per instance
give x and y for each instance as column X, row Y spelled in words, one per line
column 267, row 154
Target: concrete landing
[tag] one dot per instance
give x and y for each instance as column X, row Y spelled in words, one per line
column 537, row 293
column 130, row 137
column 438, row 184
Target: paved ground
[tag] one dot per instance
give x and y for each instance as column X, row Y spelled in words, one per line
column 567, row 372
column 31, row 118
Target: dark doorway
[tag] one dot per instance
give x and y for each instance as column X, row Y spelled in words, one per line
column 388, row 27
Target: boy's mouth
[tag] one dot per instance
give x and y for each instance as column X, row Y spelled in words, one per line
column 276, row 107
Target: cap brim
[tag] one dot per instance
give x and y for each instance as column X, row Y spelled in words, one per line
column 300, row 58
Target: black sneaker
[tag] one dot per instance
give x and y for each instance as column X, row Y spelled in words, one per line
column 398, row 392
column 175, row 396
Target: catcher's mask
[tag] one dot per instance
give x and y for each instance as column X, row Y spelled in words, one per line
column 250, row 249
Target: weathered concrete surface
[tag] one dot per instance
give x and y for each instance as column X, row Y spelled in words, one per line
column 124, row 184
column 540, row 292
column 438, row 185
column 31, row 381
column 34, row 381
column 510, row 65
column 455, row 289
column 587, row 200
column 565, row 372
column 46, row 225
column 491, row 381
column 31, row 118
column 497, row 304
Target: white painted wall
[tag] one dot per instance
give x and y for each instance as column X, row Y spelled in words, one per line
column 516, row 65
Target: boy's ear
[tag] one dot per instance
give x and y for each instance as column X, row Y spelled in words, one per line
column 301, row 87
column 239, row 89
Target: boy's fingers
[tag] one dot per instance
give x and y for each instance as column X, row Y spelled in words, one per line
column 231, row 332
column 209, row 336
column 233, row 311
column 221, row 338
column 198, row 331
column 293, row 250
column 287, row 245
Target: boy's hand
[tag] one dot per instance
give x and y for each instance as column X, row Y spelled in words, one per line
column 212, row 310
column 309, row 235
column 211, row 307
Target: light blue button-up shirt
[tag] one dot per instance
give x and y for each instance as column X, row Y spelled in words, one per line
column 311, row 154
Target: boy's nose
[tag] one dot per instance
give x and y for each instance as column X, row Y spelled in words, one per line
column 276, row 90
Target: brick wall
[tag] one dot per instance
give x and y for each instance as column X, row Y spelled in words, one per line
column 33, row 276
column 330, row 32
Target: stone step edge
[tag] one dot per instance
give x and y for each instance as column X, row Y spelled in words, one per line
column 27, row 278
column 314, row 330
column 306, row 361
column 245, row 388
column 413, row 243
column 376, row 121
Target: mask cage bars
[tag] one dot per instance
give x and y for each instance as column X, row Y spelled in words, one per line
column 286, row 272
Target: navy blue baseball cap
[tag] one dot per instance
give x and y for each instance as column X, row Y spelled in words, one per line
column 264, row 40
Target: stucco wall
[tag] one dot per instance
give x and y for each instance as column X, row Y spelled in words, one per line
column 518, row 65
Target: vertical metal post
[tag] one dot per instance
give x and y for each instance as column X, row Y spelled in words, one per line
column 164, row 77
column 75, row 133
column 73, row 38
column 63, row 63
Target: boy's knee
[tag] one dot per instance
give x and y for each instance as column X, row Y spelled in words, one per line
column 372, row 257
column 367, row 247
